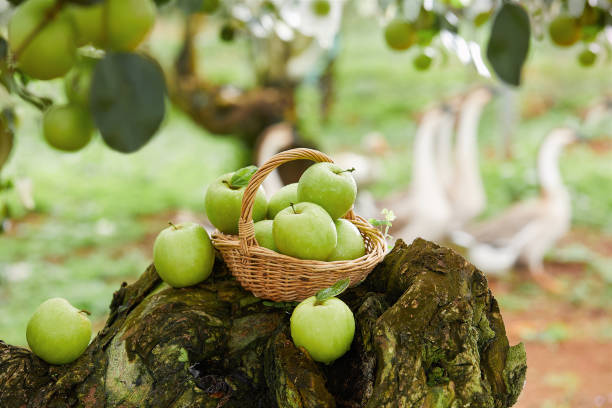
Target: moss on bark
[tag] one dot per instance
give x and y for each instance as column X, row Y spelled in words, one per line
column 428, row 334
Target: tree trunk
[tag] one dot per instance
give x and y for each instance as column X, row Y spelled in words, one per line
column 428, row 334
column 226, row 110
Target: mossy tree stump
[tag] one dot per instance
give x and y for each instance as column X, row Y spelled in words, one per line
column 429, row 334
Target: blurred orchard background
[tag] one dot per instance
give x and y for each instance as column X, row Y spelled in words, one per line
column 76, row 225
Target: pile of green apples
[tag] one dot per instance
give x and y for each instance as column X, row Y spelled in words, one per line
column 302, row 220
column 306, row 224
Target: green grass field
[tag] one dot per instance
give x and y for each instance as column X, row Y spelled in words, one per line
column 94, row 208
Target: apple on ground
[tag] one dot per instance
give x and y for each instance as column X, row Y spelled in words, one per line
column 52, row 52
column 305, row 231
column 263, row 234
column 324, row 325
column 58, row 332
column 68, row 127
column 329, row 186
column 282, row 199
column 223, row 201
column 350, row 242
column 183, row 254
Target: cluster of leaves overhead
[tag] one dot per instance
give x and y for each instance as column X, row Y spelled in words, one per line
column 115, row 88
column 111, row 85
column 419, row 24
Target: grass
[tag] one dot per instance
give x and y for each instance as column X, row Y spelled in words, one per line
column 90, row 206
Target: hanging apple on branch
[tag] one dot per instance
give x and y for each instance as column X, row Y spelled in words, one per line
column 120, row 91
column 114, row 87
column 435, row 28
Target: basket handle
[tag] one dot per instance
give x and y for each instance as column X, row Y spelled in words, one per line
column 246, row 227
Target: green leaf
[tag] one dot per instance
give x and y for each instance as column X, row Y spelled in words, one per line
column 242, row 177
column 332, row 291
column 380, row 223
column 7, row 135
column 127, row 100
column 509, row 42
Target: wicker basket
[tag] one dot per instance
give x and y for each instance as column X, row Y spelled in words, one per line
column 278, row 277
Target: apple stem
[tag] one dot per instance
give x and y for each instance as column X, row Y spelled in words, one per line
column 229, row 184
column 87, row 312
column 293, row 208
column 172, row 225
column 352, row 169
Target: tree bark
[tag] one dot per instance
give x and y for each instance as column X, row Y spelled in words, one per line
column 428, row 334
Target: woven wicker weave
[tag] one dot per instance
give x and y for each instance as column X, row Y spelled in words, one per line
column 278, row 277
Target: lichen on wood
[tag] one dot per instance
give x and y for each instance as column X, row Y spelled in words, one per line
column 429, row 334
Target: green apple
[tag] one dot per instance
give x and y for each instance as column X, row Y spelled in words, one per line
column 282, row 199
column 329, row 186
column 224, row 200
column 350, row 242
column 264, row 236
column 325, row 329
column 305, row 231
column 422, row 62
column 58, row 332
column 183, row 254
column 565, row 30
column 52, row 51
column 209, row 6
column 68, row 127
column 121, row 27
column 400, row 35
column 88, row 22
column 78, row 82
column 320, row 8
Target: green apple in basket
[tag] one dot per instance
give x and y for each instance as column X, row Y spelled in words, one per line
column 323, row 324
column 224, row 200
column 305, row 231
column 329, row 186
column 282, row 199
column 350, row 242
column 263, row 234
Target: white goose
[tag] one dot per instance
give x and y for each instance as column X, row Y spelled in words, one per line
column 464, row 187
column 528, row 229
column 423, row 210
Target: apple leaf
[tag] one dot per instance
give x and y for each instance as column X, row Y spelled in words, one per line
column 242, row 177
column 509, row 42
column 127, row 100
column 6, row 135
column 332, row 291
